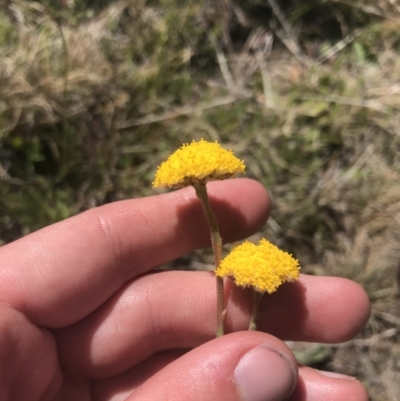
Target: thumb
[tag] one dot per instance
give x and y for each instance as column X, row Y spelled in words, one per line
column 265, row 373
column 242, row 366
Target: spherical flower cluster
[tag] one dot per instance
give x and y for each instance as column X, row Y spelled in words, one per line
column 264, row 266
column 197, row 162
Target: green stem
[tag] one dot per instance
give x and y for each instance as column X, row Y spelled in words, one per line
column 216, row 242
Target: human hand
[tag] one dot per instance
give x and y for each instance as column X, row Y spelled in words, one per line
column 81, row 317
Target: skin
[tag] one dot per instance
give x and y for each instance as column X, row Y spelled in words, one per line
column 83, row 317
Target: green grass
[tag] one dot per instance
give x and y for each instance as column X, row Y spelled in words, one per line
column 94, row 97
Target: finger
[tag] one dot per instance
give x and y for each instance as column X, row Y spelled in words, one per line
column 316, row 385
column 312, row 385
column 119, row 387
column 29, row 354
column 241, row 366
column 63, row 272
column 177, row 310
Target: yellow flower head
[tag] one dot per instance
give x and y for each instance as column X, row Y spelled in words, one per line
column 264, row 266
column 197, row 162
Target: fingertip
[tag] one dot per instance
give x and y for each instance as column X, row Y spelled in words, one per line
column 315, row 308
column 265, row 373
column 361, row 307
column 315, row 385
column 247, row 198
column 350, row 311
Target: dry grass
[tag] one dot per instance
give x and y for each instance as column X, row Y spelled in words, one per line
column 308, row 95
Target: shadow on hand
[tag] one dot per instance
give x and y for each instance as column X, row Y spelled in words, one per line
column 284, row 315
column 232, row 223
column 286, row 312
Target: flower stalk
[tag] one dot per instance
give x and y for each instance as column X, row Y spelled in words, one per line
column 216, row 243
column 256, row 298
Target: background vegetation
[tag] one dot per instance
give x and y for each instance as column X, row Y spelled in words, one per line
column 95, row 94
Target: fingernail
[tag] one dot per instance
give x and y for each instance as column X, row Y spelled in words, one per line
column 265, row 374
column 336, row 375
